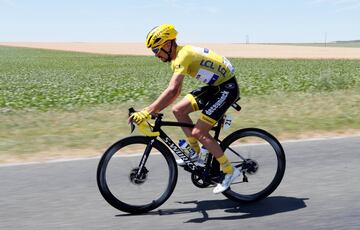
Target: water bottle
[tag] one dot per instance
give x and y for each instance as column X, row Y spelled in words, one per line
column 204, row 153
column 186, row 148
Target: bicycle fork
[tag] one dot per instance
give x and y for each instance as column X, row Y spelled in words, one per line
column 144, row 158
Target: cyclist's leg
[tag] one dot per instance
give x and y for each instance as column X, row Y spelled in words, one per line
column 192, row 102
column 201, row 133
column 181, row 111
column 212, row 112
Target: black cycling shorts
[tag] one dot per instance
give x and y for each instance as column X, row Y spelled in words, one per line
column 214, row 100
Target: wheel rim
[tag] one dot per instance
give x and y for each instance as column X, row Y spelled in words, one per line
column 116, row 177
column 263, row 166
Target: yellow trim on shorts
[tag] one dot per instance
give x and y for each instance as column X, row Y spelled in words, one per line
column 193, row 102
column 207, row 119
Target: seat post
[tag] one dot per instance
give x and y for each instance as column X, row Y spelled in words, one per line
column 217, row 128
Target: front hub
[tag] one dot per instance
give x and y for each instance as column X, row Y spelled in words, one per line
column 138, row 178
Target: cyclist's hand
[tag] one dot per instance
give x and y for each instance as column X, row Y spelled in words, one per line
column 139, row 117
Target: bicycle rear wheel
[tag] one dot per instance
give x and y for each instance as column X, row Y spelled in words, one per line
column 127, row 190
column 260, row 157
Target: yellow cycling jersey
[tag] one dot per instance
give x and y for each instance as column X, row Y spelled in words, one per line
column 203, row 64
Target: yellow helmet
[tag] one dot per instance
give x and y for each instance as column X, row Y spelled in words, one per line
column 159, row 35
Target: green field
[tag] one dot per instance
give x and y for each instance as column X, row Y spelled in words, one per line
column 54, row 103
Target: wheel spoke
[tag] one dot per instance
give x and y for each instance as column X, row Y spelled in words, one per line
column 236, row 153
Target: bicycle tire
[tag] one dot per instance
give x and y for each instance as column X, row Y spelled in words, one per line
column 124, row 206
column 280, row 159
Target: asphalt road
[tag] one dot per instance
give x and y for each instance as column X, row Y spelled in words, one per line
column 320, row 190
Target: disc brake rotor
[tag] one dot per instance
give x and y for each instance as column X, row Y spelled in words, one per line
column 138, row 179
column 250, row 166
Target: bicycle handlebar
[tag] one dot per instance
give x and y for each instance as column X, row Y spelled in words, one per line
column 144, row 126
column 132, row 126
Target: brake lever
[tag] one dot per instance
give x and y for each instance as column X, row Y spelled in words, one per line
column 132, row 126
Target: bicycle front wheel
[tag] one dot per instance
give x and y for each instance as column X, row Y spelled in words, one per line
column 127, row 189
column 260, row 157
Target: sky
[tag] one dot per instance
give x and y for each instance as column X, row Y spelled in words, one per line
column 220, row 21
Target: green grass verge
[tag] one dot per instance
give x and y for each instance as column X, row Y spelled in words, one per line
column 89, row 131
column 63, row 103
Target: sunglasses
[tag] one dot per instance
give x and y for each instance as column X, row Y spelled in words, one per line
column 156, row 50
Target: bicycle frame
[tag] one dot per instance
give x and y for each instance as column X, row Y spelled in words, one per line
column 246, row 160
column 191, row 167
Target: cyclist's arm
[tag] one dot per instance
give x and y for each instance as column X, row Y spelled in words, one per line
column 168, row 95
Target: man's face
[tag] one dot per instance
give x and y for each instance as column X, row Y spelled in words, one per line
column 161, row 54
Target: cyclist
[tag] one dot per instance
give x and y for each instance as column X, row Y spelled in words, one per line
column 214, row 99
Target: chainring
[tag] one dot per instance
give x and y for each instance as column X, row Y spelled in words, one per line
column 198, row 181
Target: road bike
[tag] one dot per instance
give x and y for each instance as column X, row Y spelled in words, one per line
column 138, row 173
